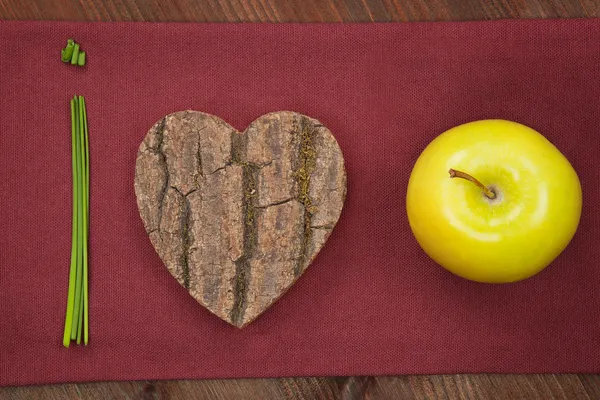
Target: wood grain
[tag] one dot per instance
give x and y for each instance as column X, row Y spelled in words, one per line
column 484, row 386
column 295, row 10
column 522, row 387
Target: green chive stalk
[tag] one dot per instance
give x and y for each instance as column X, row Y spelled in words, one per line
column 74, row 243
column 77, row 318
column 87, row 224
column 79, row 238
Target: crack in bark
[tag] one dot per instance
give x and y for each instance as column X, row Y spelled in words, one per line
column 238, row 147
column 220, row 169
column 306, row 165
column 175, row 188
column 326, row 226
column 187, row 241
column 276, row 203
column 160, row 132
column 198, row 173
column 242, row 264
column 263, row 165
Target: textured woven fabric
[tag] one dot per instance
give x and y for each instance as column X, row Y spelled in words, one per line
column 372, row 302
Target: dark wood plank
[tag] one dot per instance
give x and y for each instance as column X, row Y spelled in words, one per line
column 591, row 384
column 295, row 11
column 406, row 387
column 480, row 387
column 524, row 387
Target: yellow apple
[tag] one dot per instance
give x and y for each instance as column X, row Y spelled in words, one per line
column 514, row 211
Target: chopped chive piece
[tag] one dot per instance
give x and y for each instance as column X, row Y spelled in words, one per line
column 81, row 59
column 75, row 56
column 67, row 52
column 73, row 53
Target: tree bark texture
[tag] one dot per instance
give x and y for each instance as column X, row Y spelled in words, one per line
column 238, row 217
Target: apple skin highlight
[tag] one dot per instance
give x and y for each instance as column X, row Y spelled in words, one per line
column 532, row 217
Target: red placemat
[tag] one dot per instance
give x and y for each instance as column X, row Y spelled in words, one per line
column 372, row 303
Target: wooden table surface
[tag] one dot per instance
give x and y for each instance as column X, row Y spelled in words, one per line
column 485, row 386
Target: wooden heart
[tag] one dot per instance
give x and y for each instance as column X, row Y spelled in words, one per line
column 238, row 217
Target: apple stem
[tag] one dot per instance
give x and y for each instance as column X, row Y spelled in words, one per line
column 490, row 194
